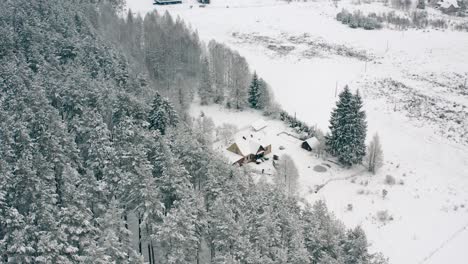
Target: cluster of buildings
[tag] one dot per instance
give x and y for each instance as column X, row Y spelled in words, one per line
column 254, row 145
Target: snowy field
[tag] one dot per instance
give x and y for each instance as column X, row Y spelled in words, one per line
column 414, row 87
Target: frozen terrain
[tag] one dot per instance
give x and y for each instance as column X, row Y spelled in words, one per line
column 415, row 88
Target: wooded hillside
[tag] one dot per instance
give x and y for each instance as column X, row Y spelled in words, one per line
column 93, row 128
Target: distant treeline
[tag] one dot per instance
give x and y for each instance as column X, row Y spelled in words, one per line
column 415, row 19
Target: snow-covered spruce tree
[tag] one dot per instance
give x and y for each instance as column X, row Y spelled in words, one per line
column 324, row 235
column 360, row 132
column 254, row 92
column 162, row 115
column 355, row 247
column 348, row 129
column 98, row 155
column 114, row 242
column 177, row 233
column 337, row 138
column 172, row 178
column 374, row 157
column 205, row 90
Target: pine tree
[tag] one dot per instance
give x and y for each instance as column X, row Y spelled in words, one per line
column 323, row 234
column 348, row 129
column 162, row 115
column 98, row 154
column 355, row 247
column 173, row 179
column 254, row 92
column 360, row 132
column 114, row 244
column 178, row 233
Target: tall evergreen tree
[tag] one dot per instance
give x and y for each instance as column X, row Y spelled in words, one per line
column 114, row 244
column 162, row 115
column 254, row 92
column 323, row 234
column 348, row 129
column 355, row 247
column 360, row 132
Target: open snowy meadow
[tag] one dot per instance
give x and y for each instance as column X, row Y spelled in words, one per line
column 415, row 91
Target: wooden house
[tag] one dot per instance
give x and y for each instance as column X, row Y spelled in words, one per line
column 245, row 150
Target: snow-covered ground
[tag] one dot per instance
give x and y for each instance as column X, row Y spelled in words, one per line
column 306, row 55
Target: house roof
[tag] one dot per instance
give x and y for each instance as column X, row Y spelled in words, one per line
column 448, row 3
column 313, row 142
column 259, row 124
column 232, row 157
column 248, row 146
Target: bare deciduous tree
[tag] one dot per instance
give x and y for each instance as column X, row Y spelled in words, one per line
column 287, row 174
column 374, row 158
column 225, row 132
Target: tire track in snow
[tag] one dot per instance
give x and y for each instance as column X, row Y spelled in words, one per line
column 444, row 244
column 321, row 186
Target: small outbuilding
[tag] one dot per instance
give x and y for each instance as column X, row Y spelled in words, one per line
column 310, row 144
column 259, row 125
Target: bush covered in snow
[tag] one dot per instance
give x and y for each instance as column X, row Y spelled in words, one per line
column 462, row 26
column 359, row 20
column 383, row 216
column 414, row 19
column 299, row 125
column 384, row 193
column 390, row 180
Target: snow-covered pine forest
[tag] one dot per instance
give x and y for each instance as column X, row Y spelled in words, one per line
column 100, row 161
column 408, row 59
